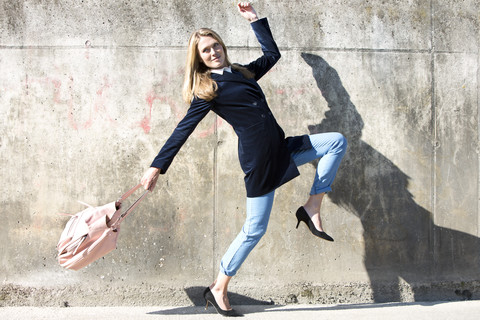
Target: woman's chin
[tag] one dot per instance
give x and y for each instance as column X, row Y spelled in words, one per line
column 216, row 65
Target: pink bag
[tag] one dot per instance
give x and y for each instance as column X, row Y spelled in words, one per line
column 93, row 232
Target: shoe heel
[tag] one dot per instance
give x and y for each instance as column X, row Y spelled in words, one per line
column 298, row 223
column 206, row 306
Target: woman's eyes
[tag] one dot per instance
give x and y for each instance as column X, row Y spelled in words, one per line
column 215, row 46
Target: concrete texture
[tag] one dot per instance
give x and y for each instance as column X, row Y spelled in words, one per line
column 466, row 310
column 90, row 90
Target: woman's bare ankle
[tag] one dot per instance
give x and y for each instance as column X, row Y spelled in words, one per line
column 221, row 298
column 314, row 215
column 312, row 207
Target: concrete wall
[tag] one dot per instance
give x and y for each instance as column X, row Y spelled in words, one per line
column 90, row 90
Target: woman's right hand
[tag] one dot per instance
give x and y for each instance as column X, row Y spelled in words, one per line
column 246, row 10
column 150, row 177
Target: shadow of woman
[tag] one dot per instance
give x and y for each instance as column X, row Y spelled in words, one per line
column 401, row 239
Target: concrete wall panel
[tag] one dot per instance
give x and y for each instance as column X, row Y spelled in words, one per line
column 90, row 91
column 77, row 125
column 456, row 26
column 456, row 163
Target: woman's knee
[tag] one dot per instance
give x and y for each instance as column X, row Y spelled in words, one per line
column 340, row 144
column 256, row 234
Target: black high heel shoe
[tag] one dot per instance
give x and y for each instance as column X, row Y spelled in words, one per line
column 302, row 215
column 209, row 298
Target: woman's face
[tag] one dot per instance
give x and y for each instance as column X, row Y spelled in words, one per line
column 211, row 52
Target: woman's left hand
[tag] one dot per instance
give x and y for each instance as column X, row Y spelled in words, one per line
column 150, row 177
column 246, row 10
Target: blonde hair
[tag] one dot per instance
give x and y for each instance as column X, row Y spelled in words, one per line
column 198, row 82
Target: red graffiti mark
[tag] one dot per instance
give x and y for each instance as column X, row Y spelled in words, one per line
column 145, row 122
column 179, row 113
column 57, row 87
column 152, row 96
column 47, row 83
column 99, row 109
column 290, row 92
column 208, row 132
column 63, row 94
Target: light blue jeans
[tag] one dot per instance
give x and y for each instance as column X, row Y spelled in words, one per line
column 330, row 148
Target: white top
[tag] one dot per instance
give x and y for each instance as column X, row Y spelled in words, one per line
column 220, row 71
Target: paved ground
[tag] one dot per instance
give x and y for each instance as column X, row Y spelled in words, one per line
column 464, row 310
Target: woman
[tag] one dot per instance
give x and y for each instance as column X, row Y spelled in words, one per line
column 267, row 158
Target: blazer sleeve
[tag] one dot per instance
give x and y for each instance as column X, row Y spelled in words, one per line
column 196, row 112
column 271, row 54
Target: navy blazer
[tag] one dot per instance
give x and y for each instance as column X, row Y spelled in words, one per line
column 263, row 151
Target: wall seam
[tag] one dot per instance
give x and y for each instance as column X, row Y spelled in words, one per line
column 478, row 140
column 237, row 48
column 215, row 198
column 436, row 145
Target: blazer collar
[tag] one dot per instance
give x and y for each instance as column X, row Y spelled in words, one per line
column 221, row 71
column 234, row 76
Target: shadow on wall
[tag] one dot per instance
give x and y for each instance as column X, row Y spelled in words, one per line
column 401, row 240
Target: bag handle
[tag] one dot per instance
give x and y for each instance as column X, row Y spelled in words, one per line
column 115, row 225
column 118, row 203
column 128, row 193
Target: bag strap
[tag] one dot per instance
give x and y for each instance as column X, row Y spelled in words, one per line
column 118, row 219
column 129, row 193
column 130, row 209
column 118, row 203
